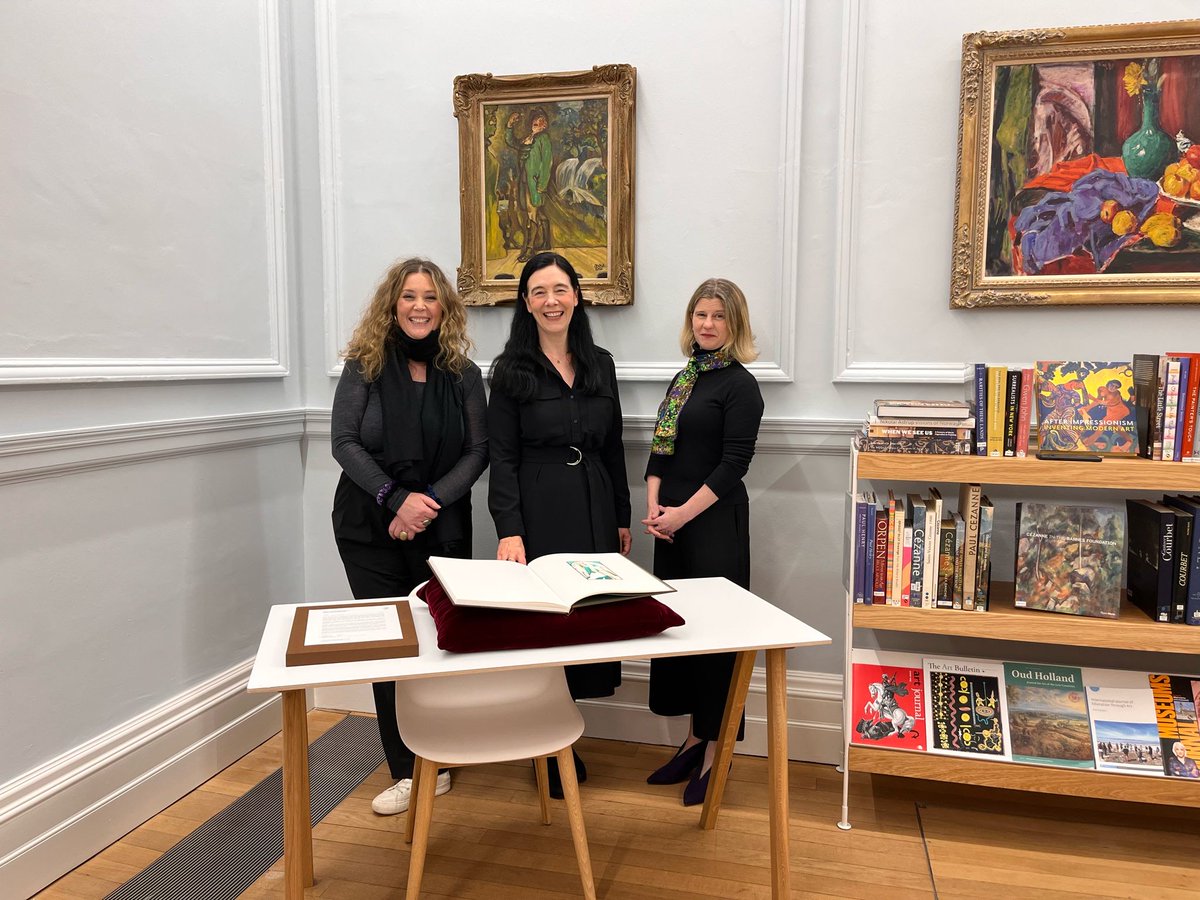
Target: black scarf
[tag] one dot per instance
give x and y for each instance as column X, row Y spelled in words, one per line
column 422, row 436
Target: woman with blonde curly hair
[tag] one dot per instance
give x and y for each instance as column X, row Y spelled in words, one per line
column 410, row 433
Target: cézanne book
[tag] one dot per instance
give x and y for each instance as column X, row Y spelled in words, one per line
column 555, row 583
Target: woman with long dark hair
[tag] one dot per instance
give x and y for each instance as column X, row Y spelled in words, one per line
column 410, row 433
column 558, row 480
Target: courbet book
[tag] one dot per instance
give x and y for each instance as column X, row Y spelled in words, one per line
column 554, row 583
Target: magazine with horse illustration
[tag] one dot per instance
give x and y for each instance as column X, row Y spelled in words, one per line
column 888, row 700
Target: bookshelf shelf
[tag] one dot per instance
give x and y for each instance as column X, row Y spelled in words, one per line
column 1114, row 474
column 1132, row 630
column 1026, row 777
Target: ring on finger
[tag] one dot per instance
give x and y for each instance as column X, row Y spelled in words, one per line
column 404, row 535
column 426, row 521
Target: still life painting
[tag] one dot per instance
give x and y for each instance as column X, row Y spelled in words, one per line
column 546, row 164
column 1079, row 170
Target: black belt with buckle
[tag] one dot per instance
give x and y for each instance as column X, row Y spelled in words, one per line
column 569, row 455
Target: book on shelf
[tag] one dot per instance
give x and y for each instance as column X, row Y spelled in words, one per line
column 960, row 548
column 1145, row 401
column 916, row 593
column 968, row 505
column 1175, row 700
column 1048, row 715
column 1170, row 410
column 1086, row 407
column 555, row 583
column 976, row 382
column 1184, row 528
column 1160, row 408
column 1124, row 725
column 1012, row 398
column 997, row 382
column 1151, row 557
column 923, row 409
column 1069, row 559
column 1191, row 403
column 888, row 700
column 919, row 444
column 1191, row 608
column 1024, row 412
column 943, row 429
column 983, row 567
column 947, row 550
column 879, row 556
column 1185, row 365
column 891, row 598
column 933, row 524
column 854, row 561
column 965, row 708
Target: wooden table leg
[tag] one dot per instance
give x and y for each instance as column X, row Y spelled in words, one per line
column 743, row 667
column 297, row 812
column 777, row 767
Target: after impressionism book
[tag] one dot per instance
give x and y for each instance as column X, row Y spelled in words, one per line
column 1070, row 559
column 888, row 700
column 1124, row 727
column 964, row 699
column 554, row 583
column 1086, row 407
column 1048, row 715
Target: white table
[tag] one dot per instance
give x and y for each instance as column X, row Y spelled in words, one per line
column 721, row 617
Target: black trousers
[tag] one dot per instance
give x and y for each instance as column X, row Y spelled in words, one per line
column 376, row 571
column 715, row 543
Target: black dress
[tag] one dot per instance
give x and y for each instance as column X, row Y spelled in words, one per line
column 716, row 433
column 557, row 499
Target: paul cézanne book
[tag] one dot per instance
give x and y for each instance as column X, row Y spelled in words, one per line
column 554, row 583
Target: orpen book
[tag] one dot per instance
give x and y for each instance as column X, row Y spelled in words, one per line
column 555, row 583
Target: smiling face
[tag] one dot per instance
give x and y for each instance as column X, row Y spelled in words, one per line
column 709, row 327
column 551, row 300
column 418, row 311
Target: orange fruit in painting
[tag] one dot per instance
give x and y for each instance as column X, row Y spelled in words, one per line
column 1174, row 185
column 1123, row 222
column 1172, row 169
column 1194, row 190
column 1187, row 171
column 1108, row 209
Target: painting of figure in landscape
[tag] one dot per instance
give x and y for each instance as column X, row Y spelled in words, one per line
column 545, row 177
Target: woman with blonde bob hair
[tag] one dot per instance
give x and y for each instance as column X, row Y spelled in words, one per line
column 697, row 507
column 410, row 433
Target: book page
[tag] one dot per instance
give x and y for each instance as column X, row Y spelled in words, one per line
column 574, row 576
column 352, row 624
column 495, row 582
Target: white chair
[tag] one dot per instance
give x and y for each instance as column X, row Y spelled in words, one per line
column 468, row 720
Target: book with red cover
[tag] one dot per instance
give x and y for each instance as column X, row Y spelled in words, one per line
column 887, row 700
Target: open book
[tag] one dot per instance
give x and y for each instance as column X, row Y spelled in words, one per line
column 555, row 583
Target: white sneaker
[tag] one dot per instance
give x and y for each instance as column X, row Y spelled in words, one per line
column 395, row 799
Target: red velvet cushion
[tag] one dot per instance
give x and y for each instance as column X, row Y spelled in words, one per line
column 467, row 629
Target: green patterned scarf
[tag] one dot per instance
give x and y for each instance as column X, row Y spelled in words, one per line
column 667, row 425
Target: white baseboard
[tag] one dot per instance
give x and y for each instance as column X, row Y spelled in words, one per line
column 814, row 713
column 54, row 817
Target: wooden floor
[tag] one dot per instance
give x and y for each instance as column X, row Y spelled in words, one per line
column 910, row 839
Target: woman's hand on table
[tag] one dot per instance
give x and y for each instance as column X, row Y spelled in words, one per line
column 512, row 548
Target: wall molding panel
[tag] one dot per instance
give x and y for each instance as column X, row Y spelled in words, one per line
column 53, row 453
column 56, row 370
column 62, row 812
column 783, row 326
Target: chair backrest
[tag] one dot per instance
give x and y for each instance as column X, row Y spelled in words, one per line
column 481, row 690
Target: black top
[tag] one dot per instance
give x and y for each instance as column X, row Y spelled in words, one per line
column 715, row 438
column 357, row 436
column 556, row 417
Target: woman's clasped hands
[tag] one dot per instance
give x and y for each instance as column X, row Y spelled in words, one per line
column 416, row 514
column 663, row 521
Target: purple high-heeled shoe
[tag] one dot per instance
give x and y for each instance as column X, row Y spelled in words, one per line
column 680, row 766
column 697, row 788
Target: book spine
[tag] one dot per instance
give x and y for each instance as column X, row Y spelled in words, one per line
column 879, row 581
column 1160, row 400
column 997, row 382
column 906, row 569
column 1024, row 412
column 959, row 546
column 869, row 561
column 983, row 571
column 1012, row 397
column 941, row 432
column 1193, row 408
column 1184, row 525
column 890, row 596
column 898, row 554
column 1166, row 570
column 924, row 446
column 968, row 505
column 945, row 581
column 916, row 595
column 929, row 575
column 860, row 547
column 1170, row 411
column 1145, row 395
column 979, row 390
column 1191, row 610
column 1185, row 365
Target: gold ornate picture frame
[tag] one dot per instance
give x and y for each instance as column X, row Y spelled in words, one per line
column 1072, row 157
column 546, row 162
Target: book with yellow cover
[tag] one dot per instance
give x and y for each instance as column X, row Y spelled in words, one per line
column 1086, row 407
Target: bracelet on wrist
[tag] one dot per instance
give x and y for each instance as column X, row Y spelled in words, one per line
column 384, row 492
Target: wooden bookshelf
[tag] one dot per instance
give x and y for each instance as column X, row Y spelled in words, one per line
column 1111, row 473
column 1027, row 777
column 1132, row 630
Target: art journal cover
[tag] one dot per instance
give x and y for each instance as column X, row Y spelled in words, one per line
column 1178, row 732
column 1048, row 715
column 887, row 700
column 1124, row 726
column 1070, row 559
column 1086, row 407
column 965, row 708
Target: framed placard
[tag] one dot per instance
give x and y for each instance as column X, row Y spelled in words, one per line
column 352, row 632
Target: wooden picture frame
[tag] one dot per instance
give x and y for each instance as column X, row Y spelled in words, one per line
column 1052, row 120
column 563, row 183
